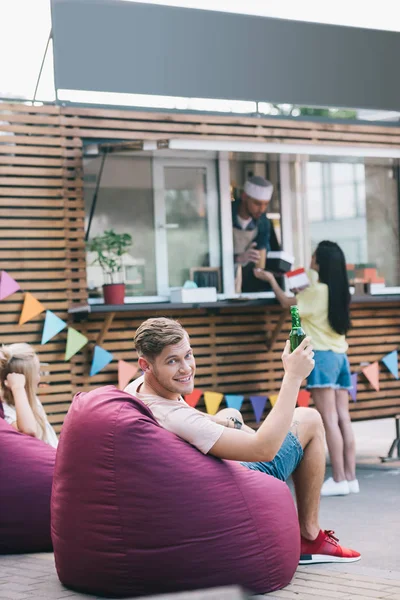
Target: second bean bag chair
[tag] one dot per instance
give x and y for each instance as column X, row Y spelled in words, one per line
column 26, row 476
column 137, row 511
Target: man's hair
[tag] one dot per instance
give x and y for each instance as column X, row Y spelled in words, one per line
column 154, row 335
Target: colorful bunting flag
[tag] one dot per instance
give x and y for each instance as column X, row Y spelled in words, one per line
column 234, row 401
column 303, row 399
column 8, row 285
column 273, row 398
column 52, row 326
column 126, row 372
column 212, row 401
column 101, row 358
column 353, row 391
column 391, row 362
column 31, row 308
column 258, row 403
column 371, row 372
column 193, row 398
column 75, row 342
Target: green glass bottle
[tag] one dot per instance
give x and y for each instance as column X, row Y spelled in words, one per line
column 297, row 333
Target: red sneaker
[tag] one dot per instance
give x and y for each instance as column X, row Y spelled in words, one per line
column 325, row 549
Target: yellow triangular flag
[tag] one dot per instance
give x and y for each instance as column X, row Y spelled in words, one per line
column 212, row 400
column 31, row 308
column 273, row 398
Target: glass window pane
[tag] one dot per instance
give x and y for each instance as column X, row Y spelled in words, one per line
column 125, row 204
column 314, row 175
column 186, row 221
column 342, row 173
column 315, row 204
column 344, row 197
column 364, row 213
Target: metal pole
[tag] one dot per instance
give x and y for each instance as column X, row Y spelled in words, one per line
column 42, row 65
column 94, row 201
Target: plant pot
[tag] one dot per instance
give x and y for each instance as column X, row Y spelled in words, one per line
column 114, row 293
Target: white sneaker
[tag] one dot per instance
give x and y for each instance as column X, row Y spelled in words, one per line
column 335, row 488
column 354, row 486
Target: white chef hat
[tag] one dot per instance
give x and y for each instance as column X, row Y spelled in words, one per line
column 258, row 188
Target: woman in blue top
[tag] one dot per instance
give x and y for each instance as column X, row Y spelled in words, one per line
column 324, row 308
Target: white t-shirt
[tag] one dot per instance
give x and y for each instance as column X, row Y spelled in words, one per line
column 178, row 417
column 10, row 415
column 243, row 222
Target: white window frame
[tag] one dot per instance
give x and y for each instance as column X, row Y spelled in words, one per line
column 213, row 221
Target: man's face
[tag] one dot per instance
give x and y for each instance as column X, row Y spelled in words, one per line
column 255, row 208
column 174, row 369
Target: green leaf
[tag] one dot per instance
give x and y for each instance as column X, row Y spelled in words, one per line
column 110, row 247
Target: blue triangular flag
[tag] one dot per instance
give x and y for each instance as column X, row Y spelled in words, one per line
column 101, row 358
column 391, row 362
column 353, row 390
column 52, row 326
column 258, row 403
column 233, row 401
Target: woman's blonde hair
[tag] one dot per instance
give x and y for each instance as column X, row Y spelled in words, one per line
column 21, row 358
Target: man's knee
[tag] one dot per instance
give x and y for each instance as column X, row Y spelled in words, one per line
column 309, row 417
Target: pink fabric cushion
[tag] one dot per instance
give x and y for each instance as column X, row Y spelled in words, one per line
column 136, row 510
column 26, row 475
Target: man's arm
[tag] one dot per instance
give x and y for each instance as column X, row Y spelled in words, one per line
column 235, row 444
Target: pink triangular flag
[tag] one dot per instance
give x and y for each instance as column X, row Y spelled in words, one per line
column 372, row 374
column 303, row 399
column 193, row 398
column 126, row 372
column 8, row 285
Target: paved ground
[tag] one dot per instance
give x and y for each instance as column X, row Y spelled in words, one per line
column 33, row 577
column 369, row 522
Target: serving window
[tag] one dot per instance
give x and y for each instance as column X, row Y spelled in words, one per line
column 177, row 206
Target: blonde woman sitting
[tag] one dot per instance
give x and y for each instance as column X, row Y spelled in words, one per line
column 19, row 380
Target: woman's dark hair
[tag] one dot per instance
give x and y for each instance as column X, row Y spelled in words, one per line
column 332, row 271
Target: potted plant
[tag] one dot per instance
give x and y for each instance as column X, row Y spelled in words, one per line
column 110, row 248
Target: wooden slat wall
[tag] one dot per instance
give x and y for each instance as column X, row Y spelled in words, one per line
column 128, row 125
column 41, row 233
column 42, row 246
column 232, row 357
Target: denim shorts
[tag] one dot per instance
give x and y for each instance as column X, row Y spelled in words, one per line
column 332, row 370
column 285, row 462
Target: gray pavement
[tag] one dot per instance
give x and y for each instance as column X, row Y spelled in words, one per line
column 369, row 521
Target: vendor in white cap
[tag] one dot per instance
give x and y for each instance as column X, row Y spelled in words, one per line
column 251, row 227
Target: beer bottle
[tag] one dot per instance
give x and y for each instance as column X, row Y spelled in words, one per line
column 297, row 333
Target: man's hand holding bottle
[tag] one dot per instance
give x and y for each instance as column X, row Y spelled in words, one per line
column 299, row 363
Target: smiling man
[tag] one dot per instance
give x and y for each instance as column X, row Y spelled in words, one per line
column 289, row 442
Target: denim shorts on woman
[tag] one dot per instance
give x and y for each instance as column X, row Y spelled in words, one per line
column 285, row 462
column 332, row 370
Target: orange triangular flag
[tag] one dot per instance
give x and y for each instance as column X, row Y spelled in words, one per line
column 31, row 308
column 212, row 401
column 372, row 374
column 303, row 399
column 126, row 372
column 273, row 398
column 193, row 398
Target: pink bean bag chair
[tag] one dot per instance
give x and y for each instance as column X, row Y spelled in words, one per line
column 136, row 510
column 26, row 476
